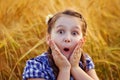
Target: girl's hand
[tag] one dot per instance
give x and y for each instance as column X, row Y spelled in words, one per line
column 76, row 55
column 59, row 59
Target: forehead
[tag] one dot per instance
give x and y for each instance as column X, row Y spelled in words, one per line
column 67, row 20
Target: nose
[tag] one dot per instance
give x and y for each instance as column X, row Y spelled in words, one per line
column 67, row 39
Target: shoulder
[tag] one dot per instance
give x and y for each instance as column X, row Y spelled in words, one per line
column 87, row 57
column 38, row 61
column 37, row 67
column 43, row 58
column 88, row 62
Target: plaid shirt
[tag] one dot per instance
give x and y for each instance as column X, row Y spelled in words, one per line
column 39, row 67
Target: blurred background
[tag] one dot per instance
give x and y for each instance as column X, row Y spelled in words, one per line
column 23, row 33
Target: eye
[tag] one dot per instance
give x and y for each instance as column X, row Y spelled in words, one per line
column 75, row 33
column 61, row 31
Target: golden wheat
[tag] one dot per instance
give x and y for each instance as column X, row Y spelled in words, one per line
column 23, row 30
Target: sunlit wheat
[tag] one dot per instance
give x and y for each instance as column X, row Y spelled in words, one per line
column 23, row 31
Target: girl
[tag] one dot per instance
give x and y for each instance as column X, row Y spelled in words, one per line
column 64, row 59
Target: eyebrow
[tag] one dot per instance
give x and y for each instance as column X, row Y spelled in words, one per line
column 63, row 25
column 76, row 27
column 59, row 26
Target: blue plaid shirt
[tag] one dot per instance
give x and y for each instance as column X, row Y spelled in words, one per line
column 39, row 67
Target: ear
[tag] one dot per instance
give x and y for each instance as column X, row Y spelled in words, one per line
column 48, row 38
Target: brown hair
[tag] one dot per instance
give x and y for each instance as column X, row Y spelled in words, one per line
column 51, row 22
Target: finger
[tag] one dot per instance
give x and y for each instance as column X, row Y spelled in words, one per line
column 81, row 43
column 78, row 47
column 77, row 50
column 54, row 48
column 52, row 45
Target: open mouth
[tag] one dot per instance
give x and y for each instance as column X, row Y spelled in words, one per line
column 66, row 49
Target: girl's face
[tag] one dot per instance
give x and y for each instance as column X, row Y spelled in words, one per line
column 66, row 33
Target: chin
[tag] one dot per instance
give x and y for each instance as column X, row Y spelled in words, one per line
column 66, row 54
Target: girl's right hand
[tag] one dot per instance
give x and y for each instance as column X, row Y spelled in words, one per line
column 60, row 60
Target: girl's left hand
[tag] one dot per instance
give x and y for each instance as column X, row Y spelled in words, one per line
column 76, row 55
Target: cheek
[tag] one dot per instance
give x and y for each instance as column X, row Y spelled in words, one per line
column 56, row 38
column 75, row 42
column 77, row 39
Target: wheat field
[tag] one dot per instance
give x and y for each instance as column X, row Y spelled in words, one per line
column 23, row 33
